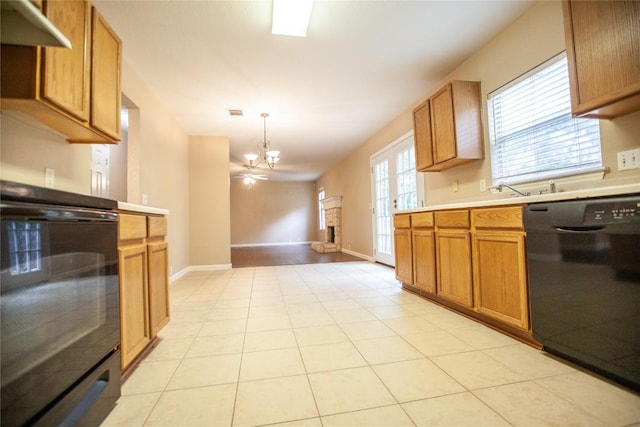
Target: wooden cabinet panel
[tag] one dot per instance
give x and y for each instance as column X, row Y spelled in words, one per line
column 603, row 51
column 453, row 253
column 65, row 79
column 158, row 267
column 156, row 226
column 452, row 219
column 422, row 220
column 402, row 221
column 500, row 276
column 444, row 133
column 503, row 217
column 403, row 257
column 134, row 316
column 422, row 136
column 424, row 260
column 105, row 78
column 132, row 227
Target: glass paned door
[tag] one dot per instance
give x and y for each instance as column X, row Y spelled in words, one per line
column 395, row 187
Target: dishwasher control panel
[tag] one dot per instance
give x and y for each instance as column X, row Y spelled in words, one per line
column 612, row 212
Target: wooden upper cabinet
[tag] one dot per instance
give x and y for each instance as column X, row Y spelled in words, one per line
column 105, row 77
column 76, row 91
column 422, row 136
column 65, row 72
column 603, row 52
column 448, row 127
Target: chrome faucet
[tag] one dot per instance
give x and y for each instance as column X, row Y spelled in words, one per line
column 500, row 186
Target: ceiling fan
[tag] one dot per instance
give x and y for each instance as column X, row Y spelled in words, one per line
column 251, row 178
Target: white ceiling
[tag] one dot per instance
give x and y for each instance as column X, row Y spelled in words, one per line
column 361, row 64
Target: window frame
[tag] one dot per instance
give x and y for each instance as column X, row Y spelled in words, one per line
column 547, row 126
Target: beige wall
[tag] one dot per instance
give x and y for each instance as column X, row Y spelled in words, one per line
column 536, row 36
column 208, row 190
column 160, row 164
column 273, row 212
column 27, row 148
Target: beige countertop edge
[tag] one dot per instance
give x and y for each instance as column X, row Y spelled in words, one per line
column 511, row 200
column 141, row 208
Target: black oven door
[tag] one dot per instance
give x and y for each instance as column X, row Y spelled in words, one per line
column 59, row 303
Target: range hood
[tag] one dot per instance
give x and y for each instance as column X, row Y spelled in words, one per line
column 24, row 24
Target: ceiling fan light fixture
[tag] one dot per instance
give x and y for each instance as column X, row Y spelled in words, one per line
column 265, row 153
column 291, row 17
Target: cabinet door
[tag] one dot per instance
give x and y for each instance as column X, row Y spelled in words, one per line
column 424, row 260
column 134, row 314
column 453, row 248
column 603, row 50
column 444, row 145
column 500, row 279
column 404, row 267
column 422, row 136
column 158, row 258
column 66, row 78
column 105, row 78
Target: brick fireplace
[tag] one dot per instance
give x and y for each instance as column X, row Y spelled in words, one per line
column 332, row 206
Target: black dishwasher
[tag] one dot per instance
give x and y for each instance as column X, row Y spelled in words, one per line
column 583, row 260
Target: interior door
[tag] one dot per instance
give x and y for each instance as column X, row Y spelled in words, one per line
column 394, row 187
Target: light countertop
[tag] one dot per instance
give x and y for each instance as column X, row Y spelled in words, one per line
column 141, row 208
column 538, row 198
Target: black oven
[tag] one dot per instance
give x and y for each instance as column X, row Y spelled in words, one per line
column 59, row 308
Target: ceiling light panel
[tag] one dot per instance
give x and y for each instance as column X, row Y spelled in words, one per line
column 291, row 17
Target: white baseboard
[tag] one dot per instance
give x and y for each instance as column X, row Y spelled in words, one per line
column 359, row 255
column 213, row 267
column 247, row 245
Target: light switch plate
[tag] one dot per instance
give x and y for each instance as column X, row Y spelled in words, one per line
column 629, row 159
column 49, row 177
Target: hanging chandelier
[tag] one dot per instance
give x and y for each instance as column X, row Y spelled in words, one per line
column 265, row 153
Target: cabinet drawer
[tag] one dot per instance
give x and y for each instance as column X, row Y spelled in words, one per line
column 132, row 227
column 452, row 219
column 508, row 217
column 402, row 221
column 156, row 226
column 422, row 220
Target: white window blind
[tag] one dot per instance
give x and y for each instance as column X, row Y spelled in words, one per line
column 532, row 133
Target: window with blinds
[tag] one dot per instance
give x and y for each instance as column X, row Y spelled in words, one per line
column 532, row 133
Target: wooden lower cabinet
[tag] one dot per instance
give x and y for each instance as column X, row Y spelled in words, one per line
column 144, row 285
column 424, row 260
column 402, row 248
column 453, row 249
column 499, row 265
column 471, row 260
column 134, row 319
column 158, row 262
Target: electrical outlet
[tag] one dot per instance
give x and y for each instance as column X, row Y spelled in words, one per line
column 629, row 159
column 145, row 199
column 455, row 185
column 49, row 177
column 483, row 185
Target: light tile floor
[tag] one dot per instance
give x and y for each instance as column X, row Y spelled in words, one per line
column 343, row 345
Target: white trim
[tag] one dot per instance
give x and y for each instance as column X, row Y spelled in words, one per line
column 178, row 275
column 247, row 245
column 359, row 255
column 186, row 270
column 388, row 146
